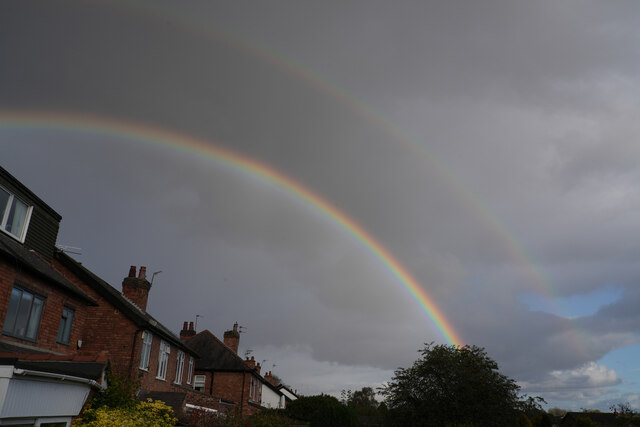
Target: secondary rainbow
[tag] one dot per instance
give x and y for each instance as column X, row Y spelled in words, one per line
column 48, row 120
column 197, row 24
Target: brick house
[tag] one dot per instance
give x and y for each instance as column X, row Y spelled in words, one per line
column 136, row 344
column 59, row 318
column 220, row 371
column 44, row 378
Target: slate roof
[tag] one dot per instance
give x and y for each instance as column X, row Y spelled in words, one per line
column 215, row 355
column 26, row 258
column 141, row 318
column 23, row 188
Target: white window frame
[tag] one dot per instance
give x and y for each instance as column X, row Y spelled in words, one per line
column 179, row 367
column 190, row 370
column 163, row 360
column 4, row 216
column 254, row 386
column 147, row 341
column 199, row 381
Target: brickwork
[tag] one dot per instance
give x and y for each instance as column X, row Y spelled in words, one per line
column 235, row 386
column 55, row 300
column 107, row 329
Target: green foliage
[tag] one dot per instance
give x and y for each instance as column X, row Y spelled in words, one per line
column 557, row 412
column 523, row 421
column 322, row 411
column 363, row 401
column 270, row 418
column 117, row 406
column 542, row 420
column 142, row 414
column 451, row 385
column 585, row 422
column 625, row 415
column 120, row 392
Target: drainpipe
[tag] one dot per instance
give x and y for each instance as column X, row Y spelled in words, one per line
column 133, row 351
column 244, row 375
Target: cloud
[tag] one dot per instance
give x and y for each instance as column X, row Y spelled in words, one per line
column 590, row 375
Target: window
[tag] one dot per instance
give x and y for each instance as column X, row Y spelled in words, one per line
column 190, row 370
column 23, row 315
column 198, row 382
column 147, row 339
column 64, row 331
column 14, row 215
column 179, row 367
column 255, row 389
column 163, row 359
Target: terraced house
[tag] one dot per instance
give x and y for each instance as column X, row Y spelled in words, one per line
column 62, row 324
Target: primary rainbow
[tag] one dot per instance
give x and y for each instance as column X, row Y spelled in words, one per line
column 49, row 120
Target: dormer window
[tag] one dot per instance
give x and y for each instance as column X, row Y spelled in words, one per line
column 14, row 215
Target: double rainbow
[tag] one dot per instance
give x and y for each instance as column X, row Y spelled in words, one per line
column 48, row 120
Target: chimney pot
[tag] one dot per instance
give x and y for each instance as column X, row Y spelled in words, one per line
column 191, row 328
column 187, row 332
column 136, row 289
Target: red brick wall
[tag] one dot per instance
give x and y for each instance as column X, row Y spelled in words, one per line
column 229, row 386
column 55, row 300
column 107, row 329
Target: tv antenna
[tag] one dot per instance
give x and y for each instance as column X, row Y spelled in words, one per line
column 153, row 276
column 70, row 249
column 197, row 315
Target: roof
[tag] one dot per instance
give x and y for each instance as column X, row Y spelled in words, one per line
column 141, row 318
column 84, row 366
column 19, row 254
column 215, row 355
column 23, row 188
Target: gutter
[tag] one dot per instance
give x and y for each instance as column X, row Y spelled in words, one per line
column 62, row 377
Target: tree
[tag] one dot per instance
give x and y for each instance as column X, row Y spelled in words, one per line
column 452, row 385
column 322, row 411
column 362, row 401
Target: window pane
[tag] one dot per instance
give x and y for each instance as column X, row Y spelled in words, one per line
column 23, row 314
column 17, row 217
column 12, row 312
column 34, row 319
column 64, row 330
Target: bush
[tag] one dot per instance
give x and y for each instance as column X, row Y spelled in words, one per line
column 142, row 414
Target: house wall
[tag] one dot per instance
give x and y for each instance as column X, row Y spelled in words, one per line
column 109, row 330
column 55, row 300
column 270, row 399
column 234, row 386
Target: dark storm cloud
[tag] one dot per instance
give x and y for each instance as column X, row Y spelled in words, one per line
column 529, row 106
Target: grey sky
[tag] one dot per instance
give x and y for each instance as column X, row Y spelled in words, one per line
column 490, row 146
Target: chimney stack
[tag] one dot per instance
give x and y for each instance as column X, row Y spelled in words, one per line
column 232, row 338
column 187, row 331
column 251, row 363
column 136, row 289
column 269, row 377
